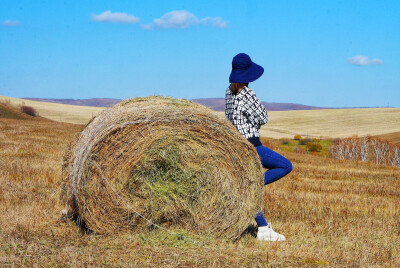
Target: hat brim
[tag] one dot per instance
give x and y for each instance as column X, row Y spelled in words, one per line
column 251, row 74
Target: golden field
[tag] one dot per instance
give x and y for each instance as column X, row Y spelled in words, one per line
column 333, row 213
column 329, row 123
column 332, row 123
column 58, row 112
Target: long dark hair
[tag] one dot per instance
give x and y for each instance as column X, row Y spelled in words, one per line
column 237, row 87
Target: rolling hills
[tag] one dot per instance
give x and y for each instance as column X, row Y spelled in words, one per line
column 95, row 102
column 332, row 123
column 217, row 104
column 282, row 124
column 58, row 112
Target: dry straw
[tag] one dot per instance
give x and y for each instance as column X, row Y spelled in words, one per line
column 173, row 161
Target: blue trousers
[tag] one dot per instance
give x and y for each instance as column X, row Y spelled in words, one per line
column 278, row 167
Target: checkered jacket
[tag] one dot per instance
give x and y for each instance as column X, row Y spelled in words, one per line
column 245, row 112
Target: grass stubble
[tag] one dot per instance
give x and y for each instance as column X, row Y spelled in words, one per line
column 333, row 213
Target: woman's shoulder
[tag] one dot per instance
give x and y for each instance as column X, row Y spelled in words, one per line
column 228, row 92
column 242, row 94
column 248, row 91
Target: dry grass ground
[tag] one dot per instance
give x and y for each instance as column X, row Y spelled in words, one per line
column 392, row 137
column 333, row 213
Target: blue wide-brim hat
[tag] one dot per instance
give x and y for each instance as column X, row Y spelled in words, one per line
column 244, row 70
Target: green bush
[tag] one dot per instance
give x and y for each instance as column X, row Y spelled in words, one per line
column 285, row 141
column 313, row 147
column 304, row 141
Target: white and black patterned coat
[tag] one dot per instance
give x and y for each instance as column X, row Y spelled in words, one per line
column 245, row 112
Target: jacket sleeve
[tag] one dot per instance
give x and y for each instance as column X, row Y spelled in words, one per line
column 254, row 110
column 227, row 100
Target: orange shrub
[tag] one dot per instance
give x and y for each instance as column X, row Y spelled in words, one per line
column 267, row 143
column 297, row 137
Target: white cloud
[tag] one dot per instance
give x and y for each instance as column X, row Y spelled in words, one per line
column 364, row 60
column 183, row 19
column 11, row 23
column 108, row 16
column 215, row 22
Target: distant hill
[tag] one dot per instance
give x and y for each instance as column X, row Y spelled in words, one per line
column 55, row 111
column 96, row 102
column 319, row 123
column 217, row 104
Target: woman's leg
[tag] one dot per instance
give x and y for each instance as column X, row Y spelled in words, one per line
column 265, row 231
column 260, row 220
column 278, row 165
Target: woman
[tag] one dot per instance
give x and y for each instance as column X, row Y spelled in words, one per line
column 247, row 114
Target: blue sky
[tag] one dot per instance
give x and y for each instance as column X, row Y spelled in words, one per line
column 322, row 53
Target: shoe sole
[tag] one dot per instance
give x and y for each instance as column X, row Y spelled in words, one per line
column 271, row 239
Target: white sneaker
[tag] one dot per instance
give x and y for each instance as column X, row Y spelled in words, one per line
column 266, row 233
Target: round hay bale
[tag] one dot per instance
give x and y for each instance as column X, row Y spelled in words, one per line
column 169, row 160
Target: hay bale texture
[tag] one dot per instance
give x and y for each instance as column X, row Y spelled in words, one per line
column 172, row 161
